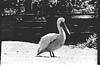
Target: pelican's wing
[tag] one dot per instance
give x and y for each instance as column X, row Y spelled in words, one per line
column 45, row 40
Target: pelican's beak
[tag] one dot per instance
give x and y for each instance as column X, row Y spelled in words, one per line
column 65, row 27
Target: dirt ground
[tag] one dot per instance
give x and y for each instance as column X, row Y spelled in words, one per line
column 16, row 52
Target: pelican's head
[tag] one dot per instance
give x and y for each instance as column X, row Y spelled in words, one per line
column 61, row 19
column 61, row 22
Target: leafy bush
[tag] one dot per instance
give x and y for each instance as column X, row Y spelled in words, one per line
column 90, row 42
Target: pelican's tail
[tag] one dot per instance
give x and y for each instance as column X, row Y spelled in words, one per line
column 40, row 51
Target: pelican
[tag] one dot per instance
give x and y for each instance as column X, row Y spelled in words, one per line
column 53, row 41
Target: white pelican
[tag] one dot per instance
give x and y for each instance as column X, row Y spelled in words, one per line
column 53, row 41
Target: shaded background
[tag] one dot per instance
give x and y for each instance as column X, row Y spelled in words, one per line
column 28, row 20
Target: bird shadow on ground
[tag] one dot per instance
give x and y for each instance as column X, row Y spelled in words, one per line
column 47, row 56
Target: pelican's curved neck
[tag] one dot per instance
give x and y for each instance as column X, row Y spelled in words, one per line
column 61, row 31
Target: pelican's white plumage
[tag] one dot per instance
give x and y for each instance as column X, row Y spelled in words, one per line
column 53, row 41
column 45, row 40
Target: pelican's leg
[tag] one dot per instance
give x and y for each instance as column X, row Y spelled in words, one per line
column 51, row 54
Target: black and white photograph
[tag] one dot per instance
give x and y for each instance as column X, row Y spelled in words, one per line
column 49, row 32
